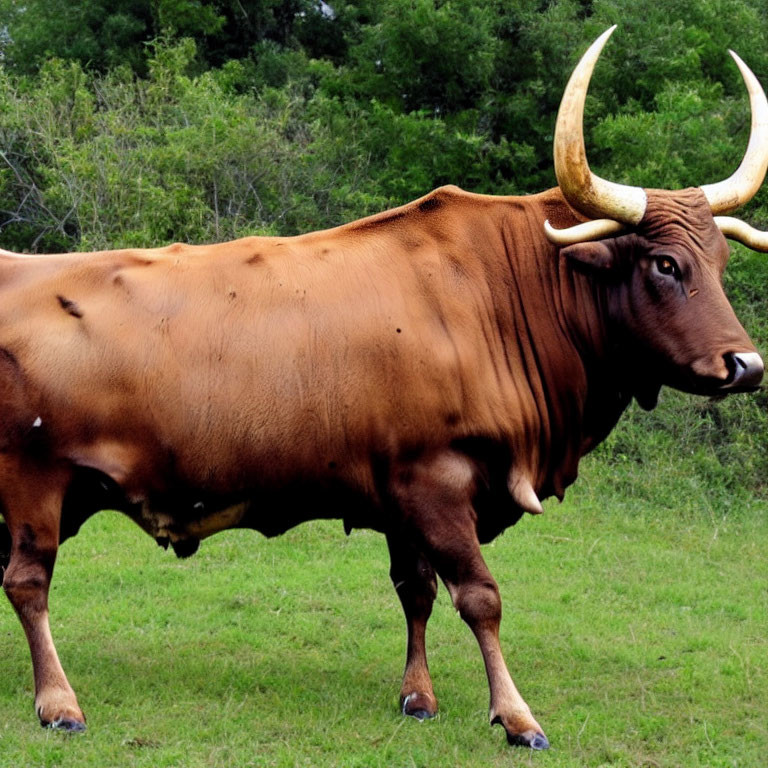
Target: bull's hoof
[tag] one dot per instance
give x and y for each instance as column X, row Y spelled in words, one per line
column 419, row 705
column 66, row 724
column 531, row 739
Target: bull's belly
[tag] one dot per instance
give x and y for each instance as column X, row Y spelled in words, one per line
column 184, row 519
column 184, row 529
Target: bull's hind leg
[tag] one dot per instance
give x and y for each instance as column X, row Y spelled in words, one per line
column 32, row 510
column 435, row 498
column 416, row 586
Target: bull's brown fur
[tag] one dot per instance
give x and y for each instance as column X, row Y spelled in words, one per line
column 271, row 359
column 402, row 372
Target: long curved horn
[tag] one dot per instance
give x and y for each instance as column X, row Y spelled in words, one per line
column 743, row 184
column 584, row 232
column 586, row 192
column 736, row 229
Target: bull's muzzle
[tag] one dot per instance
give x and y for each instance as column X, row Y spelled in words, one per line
column 746, row 369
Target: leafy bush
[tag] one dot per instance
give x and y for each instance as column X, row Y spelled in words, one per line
column 96, row 161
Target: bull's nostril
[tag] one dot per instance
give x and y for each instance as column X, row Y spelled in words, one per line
column 746, row 369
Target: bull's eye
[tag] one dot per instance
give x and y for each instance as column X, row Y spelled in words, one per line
column 667, row 266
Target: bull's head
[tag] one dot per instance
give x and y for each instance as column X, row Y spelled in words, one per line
column 669, row 248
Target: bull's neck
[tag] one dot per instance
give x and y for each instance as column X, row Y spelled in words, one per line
column 606, row 360
column 560, row 316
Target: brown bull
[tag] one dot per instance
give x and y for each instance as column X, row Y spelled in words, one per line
column 430, row 372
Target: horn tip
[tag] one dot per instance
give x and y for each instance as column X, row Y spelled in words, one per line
column 746, row 72
column 735, row 56
column 604, row 37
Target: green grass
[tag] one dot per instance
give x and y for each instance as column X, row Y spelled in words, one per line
column 638, row 633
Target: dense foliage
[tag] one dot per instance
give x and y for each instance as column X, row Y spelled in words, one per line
column 138, row 122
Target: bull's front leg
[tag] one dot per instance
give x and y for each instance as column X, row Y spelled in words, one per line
column 435, row 499
column 32, row 511
column 416, row 586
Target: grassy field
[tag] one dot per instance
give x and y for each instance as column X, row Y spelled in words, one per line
column 635, row 626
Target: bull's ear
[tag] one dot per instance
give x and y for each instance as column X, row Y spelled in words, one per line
column 595, row 254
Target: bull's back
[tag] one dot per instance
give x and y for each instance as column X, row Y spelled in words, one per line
column 265, row 355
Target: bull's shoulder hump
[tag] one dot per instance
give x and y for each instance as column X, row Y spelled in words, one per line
column 423, row 211
column 449, row 200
